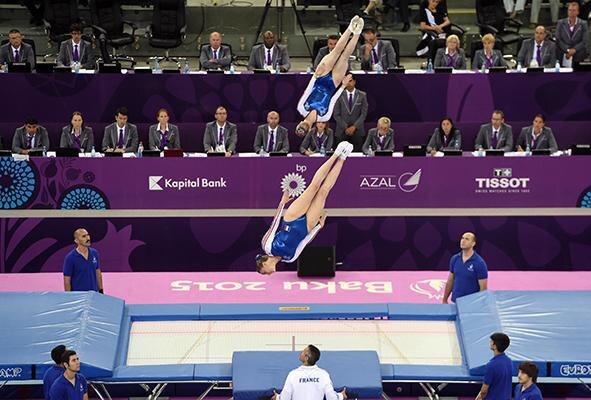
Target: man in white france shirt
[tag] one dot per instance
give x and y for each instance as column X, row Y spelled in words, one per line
column 309, row 382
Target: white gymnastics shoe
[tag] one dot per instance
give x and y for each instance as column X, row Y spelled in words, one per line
column 356, row 25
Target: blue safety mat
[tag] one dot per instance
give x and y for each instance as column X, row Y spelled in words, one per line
column 258, row 373
column 33, row 323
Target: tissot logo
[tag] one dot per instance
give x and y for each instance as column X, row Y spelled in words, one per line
column 406, row 182
column 162, row 183
column 502, row 181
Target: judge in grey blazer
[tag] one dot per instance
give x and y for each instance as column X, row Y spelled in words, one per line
column 269, row 54
column 571, row 36
column 445, row 137
column 452, row 55
column 30, row 136
column 376, row 51
column 349, row 114
column 537, row 136
column 120, row 136
column 488, row 56
column 496, row 135
column 220, row 134
column 83, row 54
column 380, row 138
column 16, row 50
column 163, row 136
column 77, row 135
column 316, row 138
column 529, row 50
column 271, row 137
column 215, row 55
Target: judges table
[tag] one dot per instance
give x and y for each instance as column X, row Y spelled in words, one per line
column 255, row 182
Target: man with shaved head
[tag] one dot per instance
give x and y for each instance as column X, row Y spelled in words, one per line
column 82, row 270
column 538, row 51
column 269, row 55
column 215, row 55
column 468, row 272
column 271, row 137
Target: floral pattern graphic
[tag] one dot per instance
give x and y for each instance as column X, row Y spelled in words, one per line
column 83, row 197
column 18, row 183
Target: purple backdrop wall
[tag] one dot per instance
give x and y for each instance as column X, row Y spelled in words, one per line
column 413, row 102
column 190, row 244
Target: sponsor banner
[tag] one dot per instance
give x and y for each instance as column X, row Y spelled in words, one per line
column 571, row 370
column 15, row 372
column 218, row 183
column 285, row 287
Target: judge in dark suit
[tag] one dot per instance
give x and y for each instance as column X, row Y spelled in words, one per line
column 375, row 52
column 537, row 136
column 330, row 44
column 16, row 50
column 220, row 135
column 76, row 50
column 163, row 135
column 571, row 37
column 318, row 137
column 497, row 135
column 120, row 136
column 269, row 55
column 537, row 51
column 380, row 138
column 215, row 55
column 76, row 135
column 488, row 56
column 349, row 114
column 452, row 55
column 30, row 136
column 271, row 137
column 445, row 137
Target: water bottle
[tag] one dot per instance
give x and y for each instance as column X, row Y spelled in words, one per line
column 557, row 66
column 232, row 69
column 379, row 69
column 323, row 149
column 157, row 69
column 309, row 70
column 519, row 67
column 527, row 150
column 44, row 151
column 430, row 67
column 483, row 68
column 262, row 153
column 140, row 150
column 369, row 152
column 93, row 152
column 186, row 68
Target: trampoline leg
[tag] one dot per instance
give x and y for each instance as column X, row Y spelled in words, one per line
column 385, row 396
column 429, row 391
column 158, row 389
column 206, row 392
column 104, row 395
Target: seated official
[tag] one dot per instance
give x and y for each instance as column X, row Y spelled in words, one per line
column 380, row 138
column 271, row 137
column 537, row 136
column 215, row 55
column 76, row 135
column 163, row 136
column 330, row 44
column 537, row 52
column 571, row 37
column 376, row 52
column 220, row 135
column 497, row 135
column 445, row 137
column 488, row 56
column 120, row 136
column 452, row 56
column 30, row 136
column 269, row 55
column 317, row 138
column 309, row 382
column 16, row 50
column 76, row 50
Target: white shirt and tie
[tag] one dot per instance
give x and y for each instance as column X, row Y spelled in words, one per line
column 308, row 383
column 273, row 137
column 537, row 48
column 221, row 142
column 216, row 53
column 269, row 55
column 17, row 54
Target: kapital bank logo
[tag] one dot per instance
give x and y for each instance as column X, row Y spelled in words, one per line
column 407, row 182
column 502, row 181
column 162, row 183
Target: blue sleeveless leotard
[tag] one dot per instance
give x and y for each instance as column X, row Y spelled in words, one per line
column 322, row 92
column 288, row 237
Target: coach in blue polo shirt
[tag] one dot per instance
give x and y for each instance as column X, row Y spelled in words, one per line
column 55, row 371
column 468, row 272
column 81, row 267
column 496, row 384
column 527, row 377
column 70, row 385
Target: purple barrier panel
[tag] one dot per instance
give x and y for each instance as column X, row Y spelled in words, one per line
column 363, row 243
column 253, row 183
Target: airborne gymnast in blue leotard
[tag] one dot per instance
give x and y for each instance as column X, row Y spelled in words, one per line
column 287, row 236
column 329, row 80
